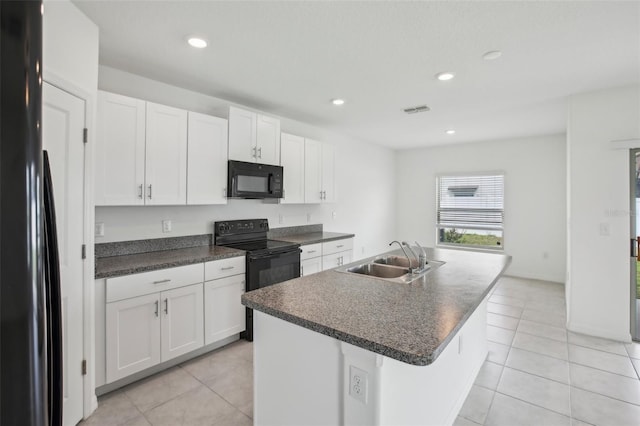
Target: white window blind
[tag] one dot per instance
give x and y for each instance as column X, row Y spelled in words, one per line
column 471, row 202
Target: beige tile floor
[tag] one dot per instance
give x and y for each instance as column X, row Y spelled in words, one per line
column 536, row 373
column 214, row 389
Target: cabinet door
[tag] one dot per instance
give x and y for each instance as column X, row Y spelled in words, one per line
column 268, row 140
column 331, row 261
column 292, row 160
column 119, row 157
column 310, row 266
column 206, row 160
column 328, row 173
column 166, row 156
column 242, row 135
column 133, row 336
column 182, row 321
column 224, row 314
column 347, row 257
column 312, row 171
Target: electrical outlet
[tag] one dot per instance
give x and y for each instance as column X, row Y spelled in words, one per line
column 358, row 384
column 334, row 215
column 99, row 229
column 166, row 226
column 605, row 229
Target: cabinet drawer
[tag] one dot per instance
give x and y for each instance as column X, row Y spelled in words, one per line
column 310, row 251
column 337, row 246
column 152, row 282
column 224, row 268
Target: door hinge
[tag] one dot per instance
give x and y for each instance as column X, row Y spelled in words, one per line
column 84, row 367
column 84, row 251
column 85, row 135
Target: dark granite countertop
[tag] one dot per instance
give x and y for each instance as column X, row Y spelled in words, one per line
column 313, row 237
column 114, row 266
column 412, row 323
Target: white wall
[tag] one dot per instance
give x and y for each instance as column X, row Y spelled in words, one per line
column 534, row 168
column 365, row 176
column 598, row 266
column 70, row 46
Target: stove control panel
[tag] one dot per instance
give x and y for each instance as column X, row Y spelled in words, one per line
column 244, row 226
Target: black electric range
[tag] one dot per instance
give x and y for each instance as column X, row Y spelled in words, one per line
column 268, row 262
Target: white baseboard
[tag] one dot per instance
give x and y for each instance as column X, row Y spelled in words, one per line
column 535, row 277
column 620, row 336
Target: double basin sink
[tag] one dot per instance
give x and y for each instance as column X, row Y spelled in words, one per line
column 390, row 268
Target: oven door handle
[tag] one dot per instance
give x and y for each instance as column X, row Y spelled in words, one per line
column 273, row 254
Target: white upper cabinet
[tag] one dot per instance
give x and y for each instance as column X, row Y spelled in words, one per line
column 242, row 135
column 292, row 150
column 120, row 151
column 319, row 172
column 206, row 160
column 312, row 171
column 268, row 140
column 166, row 155
column 328, row 173
column 253, row 137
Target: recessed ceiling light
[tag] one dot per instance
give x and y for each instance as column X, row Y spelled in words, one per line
column 445, row 76
column 450, row 132
column 197, row 42
column 337, row 101
column 491, row 55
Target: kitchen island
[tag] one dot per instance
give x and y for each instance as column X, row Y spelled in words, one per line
column 344, row 348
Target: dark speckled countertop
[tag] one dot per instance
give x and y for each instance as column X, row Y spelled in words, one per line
column 314, row 237
column 412, row 323
column 114, row 266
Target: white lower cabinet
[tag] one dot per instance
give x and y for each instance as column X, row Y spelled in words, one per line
column 133, row 336
column 333, row 260
column 224, row 313
column 337, row 253
column 310, row 259
column 310, row 266
column 146, row 330
column 182, row 321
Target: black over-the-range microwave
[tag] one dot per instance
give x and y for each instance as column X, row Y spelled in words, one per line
column 254, row 180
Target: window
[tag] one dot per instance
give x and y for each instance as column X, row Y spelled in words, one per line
column 470, row 211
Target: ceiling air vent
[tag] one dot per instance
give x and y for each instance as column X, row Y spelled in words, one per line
column 413, row 110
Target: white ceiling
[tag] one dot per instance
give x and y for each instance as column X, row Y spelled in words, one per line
column 291, row 58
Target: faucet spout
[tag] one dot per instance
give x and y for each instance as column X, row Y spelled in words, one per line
column 406, row 244
column 422, row 263
column 404, row 251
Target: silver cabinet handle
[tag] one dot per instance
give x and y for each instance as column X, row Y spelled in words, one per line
column 150, row 191
column 260, row 152
column 340, row 246
column 224, row 192
column 156, row 308
column 140, row 191
column 311, row 251
column 162, row 281
column 227, row 268
column 166, row 306
column 254, row 149
column 301, row 271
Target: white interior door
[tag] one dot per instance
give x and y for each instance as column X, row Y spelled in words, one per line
column 63, row 120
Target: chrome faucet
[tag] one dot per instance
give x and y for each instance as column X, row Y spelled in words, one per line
column 423, row 257
column 420, row 266
column 404, row 251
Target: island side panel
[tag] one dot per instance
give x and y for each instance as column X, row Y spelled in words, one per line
column 433, row 394
column 297, row 375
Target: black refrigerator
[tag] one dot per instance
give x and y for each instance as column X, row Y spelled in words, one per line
column 30, row 333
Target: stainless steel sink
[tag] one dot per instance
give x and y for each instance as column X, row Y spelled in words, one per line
column 378, row 270
column 391, row 268
column 394, row 260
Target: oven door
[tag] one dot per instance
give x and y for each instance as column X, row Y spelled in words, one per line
column 272, row 268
